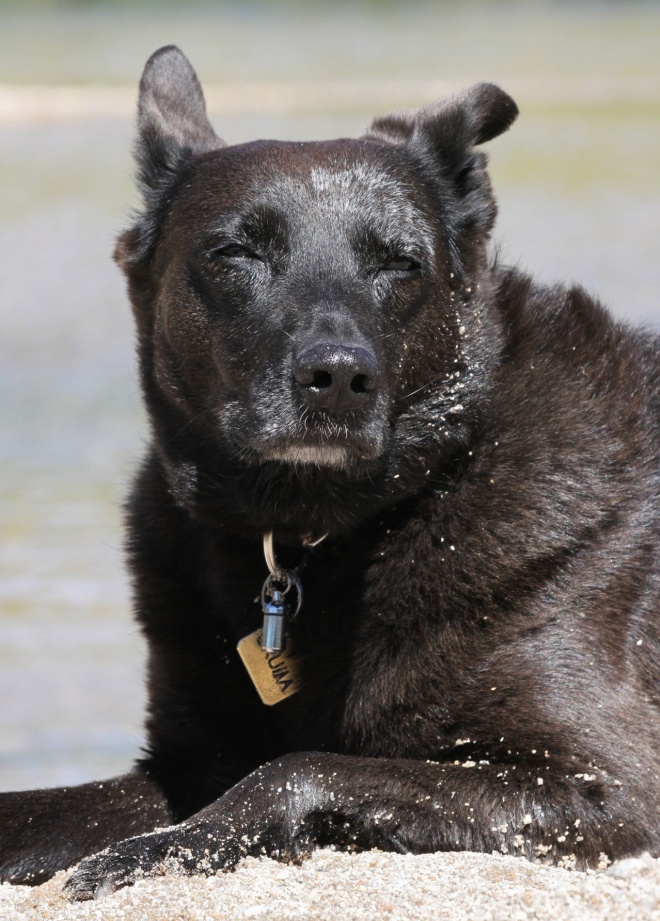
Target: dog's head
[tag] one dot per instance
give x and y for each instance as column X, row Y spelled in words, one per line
column 312, row 306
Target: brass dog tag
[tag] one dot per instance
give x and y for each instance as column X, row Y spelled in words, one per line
column 275, row 675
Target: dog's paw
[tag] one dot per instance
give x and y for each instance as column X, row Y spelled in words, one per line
column 121, row 865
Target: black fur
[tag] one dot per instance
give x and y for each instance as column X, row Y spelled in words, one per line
column 479, row 635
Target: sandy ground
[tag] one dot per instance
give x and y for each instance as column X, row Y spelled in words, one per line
column 333, row 887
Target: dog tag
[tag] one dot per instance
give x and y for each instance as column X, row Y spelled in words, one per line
column 275, row 675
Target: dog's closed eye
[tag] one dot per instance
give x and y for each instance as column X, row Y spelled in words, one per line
column 399, row 264
column 233, row 251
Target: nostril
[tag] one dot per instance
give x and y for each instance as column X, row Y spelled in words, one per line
column 321, row 380
column 360, row 384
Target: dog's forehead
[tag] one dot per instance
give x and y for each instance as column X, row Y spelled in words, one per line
column 345, row 176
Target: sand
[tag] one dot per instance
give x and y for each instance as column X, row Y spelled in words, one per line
column 335, row 886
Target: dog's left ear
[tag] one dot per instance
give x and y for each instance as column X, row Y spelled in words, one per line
column 443, row 137
column 450, row 129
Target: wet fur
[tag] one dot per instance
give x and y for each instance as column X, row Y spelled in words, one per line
column 479, row 636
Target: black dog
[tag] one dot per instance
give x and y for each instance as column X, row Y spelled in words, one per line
column 328, row 355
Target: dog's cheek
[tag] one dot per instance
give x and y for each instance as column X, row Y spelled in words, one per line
column 198, row 351
column 423, row 341
column 181, row 361
column 261, row 408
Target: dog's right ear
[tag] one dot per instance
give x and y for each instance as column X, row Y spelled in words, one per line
column 172, row 120
column 172, row 127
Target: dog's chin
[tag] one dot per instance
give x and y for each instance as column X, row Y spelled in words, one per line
column 330, row 455
column 337, row 456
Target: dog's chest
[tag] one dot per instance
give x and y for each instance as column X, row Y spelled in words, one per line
column 367, row 685
column 377, row 670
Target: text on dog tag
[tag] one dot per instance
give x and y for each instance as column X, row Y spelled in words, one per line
column 275, row 675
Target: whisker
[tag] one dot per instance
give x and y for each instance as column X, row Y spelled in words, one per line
column 419, row 390
column 189, row 422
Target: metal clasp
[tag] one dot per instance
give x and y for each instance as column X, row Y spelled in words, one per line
column 276, row 610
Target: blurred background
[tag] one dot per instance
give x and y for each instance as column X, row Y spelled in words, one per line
column 578, row 181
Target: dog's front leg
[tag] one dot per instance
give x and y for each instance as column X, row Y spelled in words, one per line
column 291, row 805
column 271, row 811
column 43, row 831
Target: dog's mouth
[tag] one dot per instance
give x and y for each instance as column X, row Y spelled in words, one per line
column 321, row 441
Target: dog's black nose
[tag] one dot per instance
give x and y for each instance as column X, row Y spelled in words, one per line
column 336, row 378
